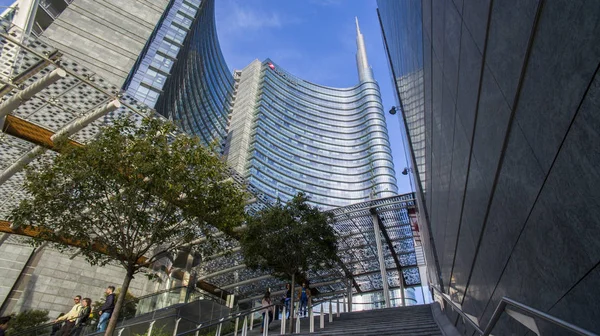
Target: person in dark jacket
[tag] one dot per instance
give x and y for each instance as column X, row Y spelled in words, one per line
column 287, row 298
column 83, row 318
column 4, row 324
column 107, row 308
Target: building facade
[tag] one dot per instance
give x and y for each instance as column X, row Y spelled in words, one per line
column 282, row 133
column 510, row 187
column 288, row 135
column 198, row 94
column 105, row 36
column 153, row 66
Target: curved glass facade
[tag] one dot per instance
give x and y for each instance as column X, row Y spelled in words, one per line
column 149, row 73
column 284, row 134
column 197, row 95
column 331, row 143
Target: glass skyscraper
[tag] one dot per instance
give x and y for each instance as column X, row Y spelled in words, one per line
column 152, row 68
column 328, row 142
column 282, row 133
column 199, row 91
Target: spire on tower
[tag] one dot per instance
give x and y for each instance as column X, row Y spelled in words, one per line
column 364, row 70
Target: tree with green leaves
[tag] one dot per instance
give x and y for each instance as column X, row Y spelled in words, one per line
column 289, row 240
column 134, row 194
column 27, row 319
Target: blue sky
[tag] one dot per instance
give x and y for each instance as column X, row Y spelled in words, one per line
column 314, row 40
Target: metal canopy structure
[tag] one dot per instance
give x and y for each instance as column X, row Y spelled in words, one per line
column 358, row 254
column 44, row 95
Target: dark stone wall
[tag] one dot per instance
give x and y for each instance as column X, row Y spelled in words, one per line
column 512, row 115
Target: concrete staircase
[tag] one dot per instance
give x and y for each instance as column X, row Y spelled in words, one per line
column 401, row 321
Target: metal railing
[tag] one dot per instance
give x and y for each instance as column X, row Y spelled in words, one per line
column 150, row 303
column 218, row 323
column 525, row 316
column 247, row 318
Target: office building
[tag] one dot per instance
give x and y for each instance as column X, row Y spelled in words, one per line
column 509, row 185
column 198, row 94
column 153, row 66
column 105, row 36
column 282, row 133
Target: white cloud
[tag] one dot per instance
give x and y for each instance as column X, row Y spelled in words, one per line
column 247, row 18
column 240, row 15
column 326, row 2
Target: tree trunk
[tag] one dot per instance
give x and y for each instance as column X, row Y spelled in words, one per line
column 112, row 324
column 293, row 291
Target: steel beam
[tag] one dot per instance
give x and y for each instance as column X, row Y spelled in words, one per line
column 379, row 225
column 383, row 269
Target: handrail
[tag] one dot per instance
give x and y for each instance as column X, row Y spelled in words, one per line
column 459, row 311
column 46, row 325
column 327, row 300
column 231, row 318
column 547, row 317
column 501, row 308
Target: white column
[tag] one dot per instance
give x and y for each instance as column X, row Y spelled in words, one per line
column 349, row 295
column 312, row 320
column 283, row 320
column 245, row 326
column 322, row 317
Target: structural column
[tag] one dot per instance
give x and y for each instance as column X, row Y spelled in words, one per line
column 382, row 268
column 349, row 295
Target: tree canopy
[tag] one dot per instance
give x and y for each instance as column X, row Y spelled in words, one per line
column 290, row 240
column 135, row 193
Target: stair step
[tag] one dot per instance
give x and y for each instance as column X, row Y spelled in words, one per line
column 401, row 321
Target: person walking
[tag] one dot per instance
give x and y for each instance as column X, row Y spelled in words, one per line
column 107, row 308
column 303, row 295
column 83, row 318
column 4, row 324
column 287, row 298
column 70, row 317
column 267, row 311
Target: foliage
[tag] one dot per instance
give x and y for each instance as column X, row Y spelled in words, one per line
column 289, row 239
column 25, row 320
column 134, row 194
column 127, row 310
column 156, row 332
